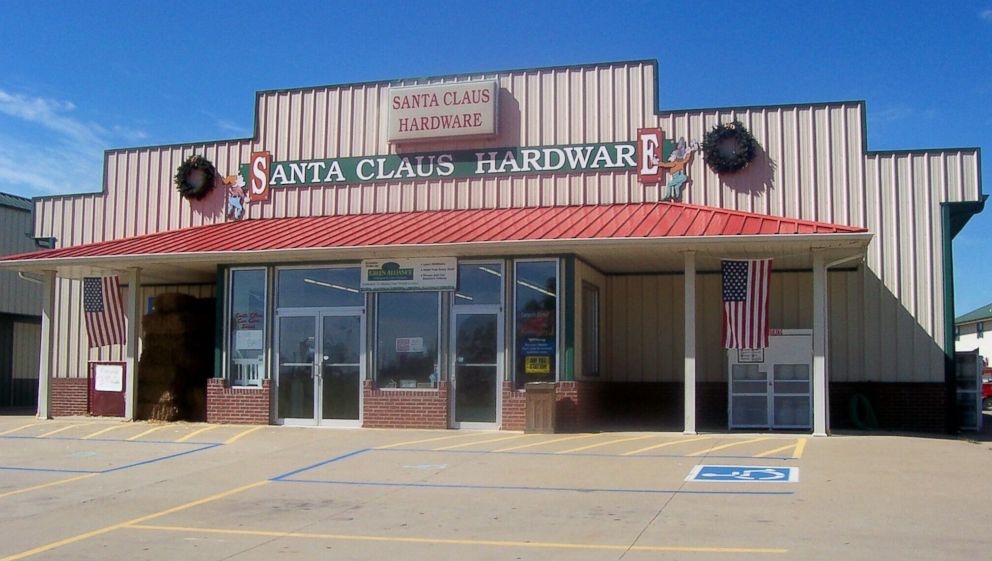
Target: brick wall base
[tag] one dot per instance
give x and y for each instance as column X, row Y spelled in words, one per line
column 915, row 407
column 70, row 396
column 248, row 406
column 411, row 409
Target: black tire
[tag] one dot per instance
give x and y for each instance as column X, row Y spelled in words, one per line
column 987, row 404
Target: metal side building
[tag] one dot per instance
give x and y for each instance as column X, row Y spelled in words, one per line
column 20, row 309
column 411, row 253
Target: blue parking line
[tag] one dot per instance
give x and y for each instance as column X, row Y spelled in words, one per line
column 527, row 487
column 589, row 454
column 75, row 438
column 198, row 447
column 162, row 458
column 318, row 464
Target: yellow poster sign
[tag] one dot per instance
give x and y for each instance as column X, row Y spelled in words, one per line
column 537, row 365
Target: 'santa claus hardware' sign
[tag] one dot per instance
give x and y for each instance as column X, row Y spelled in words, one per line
column 651, row 156
column 442, row 111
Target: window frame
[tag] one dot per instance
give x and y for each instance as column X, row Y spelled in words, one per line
column 557, row 315
column 981, row 330
column 586, row 285
column 228, row 374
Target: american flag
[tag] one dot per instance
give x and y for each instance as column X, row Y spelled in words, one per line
column 104, row 311
column 745, row 303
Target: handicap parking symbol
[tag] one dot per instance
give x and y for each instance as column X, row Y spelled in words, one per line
column 761, row 474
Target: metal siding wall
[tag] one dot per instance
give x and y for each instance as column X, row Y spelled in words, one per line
column 17, row 296
column 646, row 339
column 27, row 345
column 813, row 165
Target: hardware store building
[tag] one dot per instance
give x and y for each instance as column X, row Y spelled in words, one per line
column 410, row 253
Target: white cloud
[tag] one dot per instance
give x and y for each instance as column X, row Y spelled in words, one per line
column 49, row 150
column 986, row 14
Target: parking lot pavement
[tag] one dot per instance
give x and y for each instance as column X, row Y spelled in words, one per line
column 97, row 489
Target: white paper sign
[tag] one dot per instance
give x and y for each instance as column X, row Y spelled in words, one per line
column 432, row 273
column 109, row 378
column 248, row 339
column 409, row 344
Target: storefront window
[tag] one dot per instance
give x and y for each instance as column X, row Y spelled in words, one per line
column 407, row 333
column 479, row 284
column 319, row 288
column 535, row 321
column 246, row 346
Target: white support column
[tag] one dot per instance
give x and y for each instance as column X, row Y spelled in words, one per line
column 690, row 343
column 821, row 411
column 47, row 346
column 133, row 311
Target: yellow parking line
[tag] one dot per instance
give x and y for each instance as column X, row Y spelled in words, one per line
column 779, row 449
column 243, row 434
column 43, row 485
column 800, row 447
column 474, row 442
column 133, row 521
column 106, row 430
column 22, row 427
column 728, row 445
column 607, row 443
column 194, row 433
column 552, row 441
column 435, row 439
column 149, row 431
column 65, row 428
column 449, row 541
column 665, row 444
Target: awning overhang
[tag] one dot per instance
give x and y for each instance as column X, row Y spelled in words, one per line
column 600, row 235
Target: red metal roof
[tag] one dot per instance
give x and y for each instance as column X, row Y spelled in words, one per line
column 627, row 221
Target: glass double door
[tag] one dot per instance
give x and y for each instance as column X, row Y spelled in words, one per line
column 320, row 363
column 476, row 334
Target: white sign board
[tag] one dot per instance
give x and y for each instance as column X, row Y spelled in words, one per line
column 442, row 111
column 431, row 273
column 409, row 344
column 109, row 378
column 248, row 340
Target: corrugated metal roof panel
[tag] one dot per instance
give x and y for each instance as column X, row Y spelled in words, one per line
column 648, row 220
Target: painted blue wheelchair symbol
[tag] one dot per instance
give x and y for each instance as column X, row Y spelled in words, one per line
column 763, row 474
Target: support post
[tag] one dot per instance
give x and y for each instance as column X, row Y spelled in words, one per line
column 133, row 312
column 46, row 348
column 690, row 343
column 821, row 409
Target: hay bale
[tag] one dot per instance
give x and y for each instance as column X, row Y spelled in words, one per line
column 177, row 323
column 174, row 302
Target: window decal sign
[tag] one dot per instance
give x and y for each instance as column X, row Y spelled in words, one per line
column 389, row 275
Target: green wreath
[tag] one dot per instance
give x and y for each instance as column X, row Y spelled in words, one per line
column 195, row 177
column 729, row 147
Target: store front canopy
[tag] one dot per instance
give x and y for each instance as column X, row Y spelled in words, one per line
column 620, row 238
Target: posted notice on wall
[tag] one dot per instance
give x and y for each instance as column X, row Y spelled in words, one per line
column 432, row 273
column 109, row 378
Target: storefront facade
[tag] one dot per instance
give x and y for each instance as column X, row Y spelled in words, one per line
column 412, row 253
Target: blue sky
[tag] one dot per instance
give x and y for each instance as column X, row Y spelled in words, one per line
column 79, row 77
